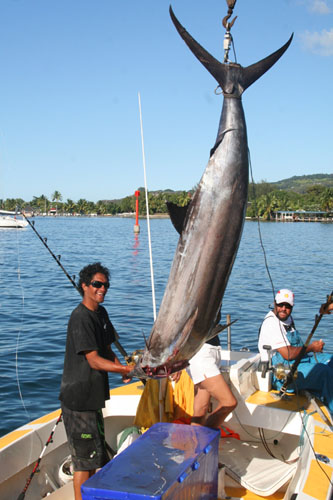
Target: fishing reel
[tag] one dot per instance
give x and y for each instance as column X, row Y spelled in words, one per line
column 135, row 357
column 281, row 371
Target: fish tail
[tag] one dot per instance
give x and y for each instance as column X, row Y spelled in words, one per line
column 232, row 78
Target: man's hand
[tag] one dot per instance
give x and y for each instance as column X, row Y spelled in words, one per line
column 125, row 377
column 175, row 376
column 317, row 346
column 326, row 308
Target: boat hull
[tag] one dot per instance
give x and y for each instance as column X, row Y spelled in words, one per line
column 291, row 429
column 12, row 222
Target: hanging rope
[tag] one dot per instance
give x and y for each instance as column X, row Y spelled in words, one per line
column 20, row 330
column 259, row 228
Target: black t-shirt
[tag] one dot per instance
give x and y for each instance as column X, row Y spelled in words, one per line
column 83, row 388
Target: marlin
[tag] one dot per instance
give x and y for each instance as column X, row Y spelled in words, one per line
column 210, row 227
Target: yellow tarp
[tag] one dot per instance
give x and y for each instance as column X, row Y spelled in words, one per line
column 160, row 402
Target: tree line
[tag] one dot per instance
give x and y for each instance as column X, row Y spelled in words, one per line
column 264, row 199
column 42, row 204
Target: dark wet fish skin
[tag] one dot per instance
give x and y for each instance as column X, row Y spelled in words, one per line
column 211, row 229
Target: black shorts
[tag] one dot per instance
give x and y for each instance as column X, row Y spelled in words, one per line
column 86, row 440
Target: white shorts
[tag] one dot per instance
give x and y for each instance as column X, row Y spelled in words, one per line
column 205, row 363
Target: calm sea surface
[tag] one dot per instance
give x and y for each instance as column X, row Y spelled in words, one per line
column 36, row 298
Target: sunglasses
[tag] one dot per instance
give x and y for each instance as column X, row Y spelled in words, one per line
column 99, row 284
column 284, row 304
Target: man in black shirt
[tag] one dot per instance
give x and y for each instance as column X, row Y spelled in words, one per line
column 84, row 386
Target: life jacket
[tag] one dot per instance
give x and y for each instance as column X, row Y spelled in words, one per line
column 294, row 340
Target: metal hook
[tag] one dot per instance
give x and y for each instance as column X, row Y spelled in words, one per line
column 228, row 26
column 231, row 5
column 225, row 23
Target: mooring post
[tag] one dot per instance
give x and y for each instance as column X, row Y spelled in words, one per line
column 229, row 332
column 136, row 226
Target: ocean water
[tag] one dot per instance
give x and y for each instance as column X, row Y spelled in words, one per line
column 36, row 298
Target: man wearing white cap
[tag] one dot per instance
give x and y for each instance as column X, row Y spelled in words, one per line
column 315, row 371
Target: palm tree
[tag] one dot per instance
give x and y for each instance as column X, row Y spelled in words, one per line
column 70, row 206
column 183, row 198
column 101, row 208
column 56, row 197
column 41, row 202
column 326, row 199
column 267, row 204
column 12, row 203
column 82, row 206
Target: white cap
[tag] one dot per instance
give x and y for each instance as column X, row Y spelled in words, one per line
column 284, row 295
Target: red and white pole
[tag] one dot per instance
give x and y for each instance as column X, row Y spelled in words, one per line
column 137, row 227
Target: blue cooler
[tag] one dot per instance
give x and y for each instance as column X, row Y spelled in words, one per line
column 169, row 461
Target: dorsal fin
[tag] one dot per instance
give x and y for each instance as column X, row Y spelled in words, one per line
column 177, row 215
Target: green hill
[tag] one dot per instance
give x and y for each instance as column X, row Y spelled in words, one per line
column 300, row 183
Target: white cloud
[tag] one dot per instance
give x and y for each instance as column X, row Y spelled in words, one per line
column 319, row 6
column 319, row 43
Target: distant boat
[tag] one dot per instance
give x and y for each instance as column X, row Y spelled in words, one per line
column 11, row 219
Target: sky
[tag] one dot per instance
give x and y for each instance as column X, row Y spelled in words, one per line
column 71, row 72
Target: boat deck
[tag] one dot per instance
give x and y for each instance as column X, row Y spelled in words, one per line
column 313, row 419
column 314, row 486
column 295, row 417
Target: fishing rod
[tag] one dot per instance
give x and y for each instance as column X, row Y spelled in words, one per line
column 72, row 280
column 56, row 258
column 35, row 469
column 324, row 309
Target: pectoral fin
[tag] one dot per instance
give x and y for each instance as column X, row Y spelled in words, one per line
column 177, row 215
column 218, row 329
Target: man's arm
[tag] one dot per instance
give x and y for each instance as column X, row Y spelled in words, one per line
column 272, row 334
column 112, row 364
column 290, row 352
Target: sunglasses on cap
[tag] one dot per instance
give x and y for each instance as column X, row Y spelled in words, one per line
column 99, row 284
column 285, row 304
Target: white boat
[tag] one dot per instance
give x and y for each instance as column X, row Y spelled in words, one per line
column 10, row 219
column 284, row 450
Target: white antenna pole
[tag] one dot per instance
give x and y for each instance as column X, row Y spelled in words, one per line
column 147, row 207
